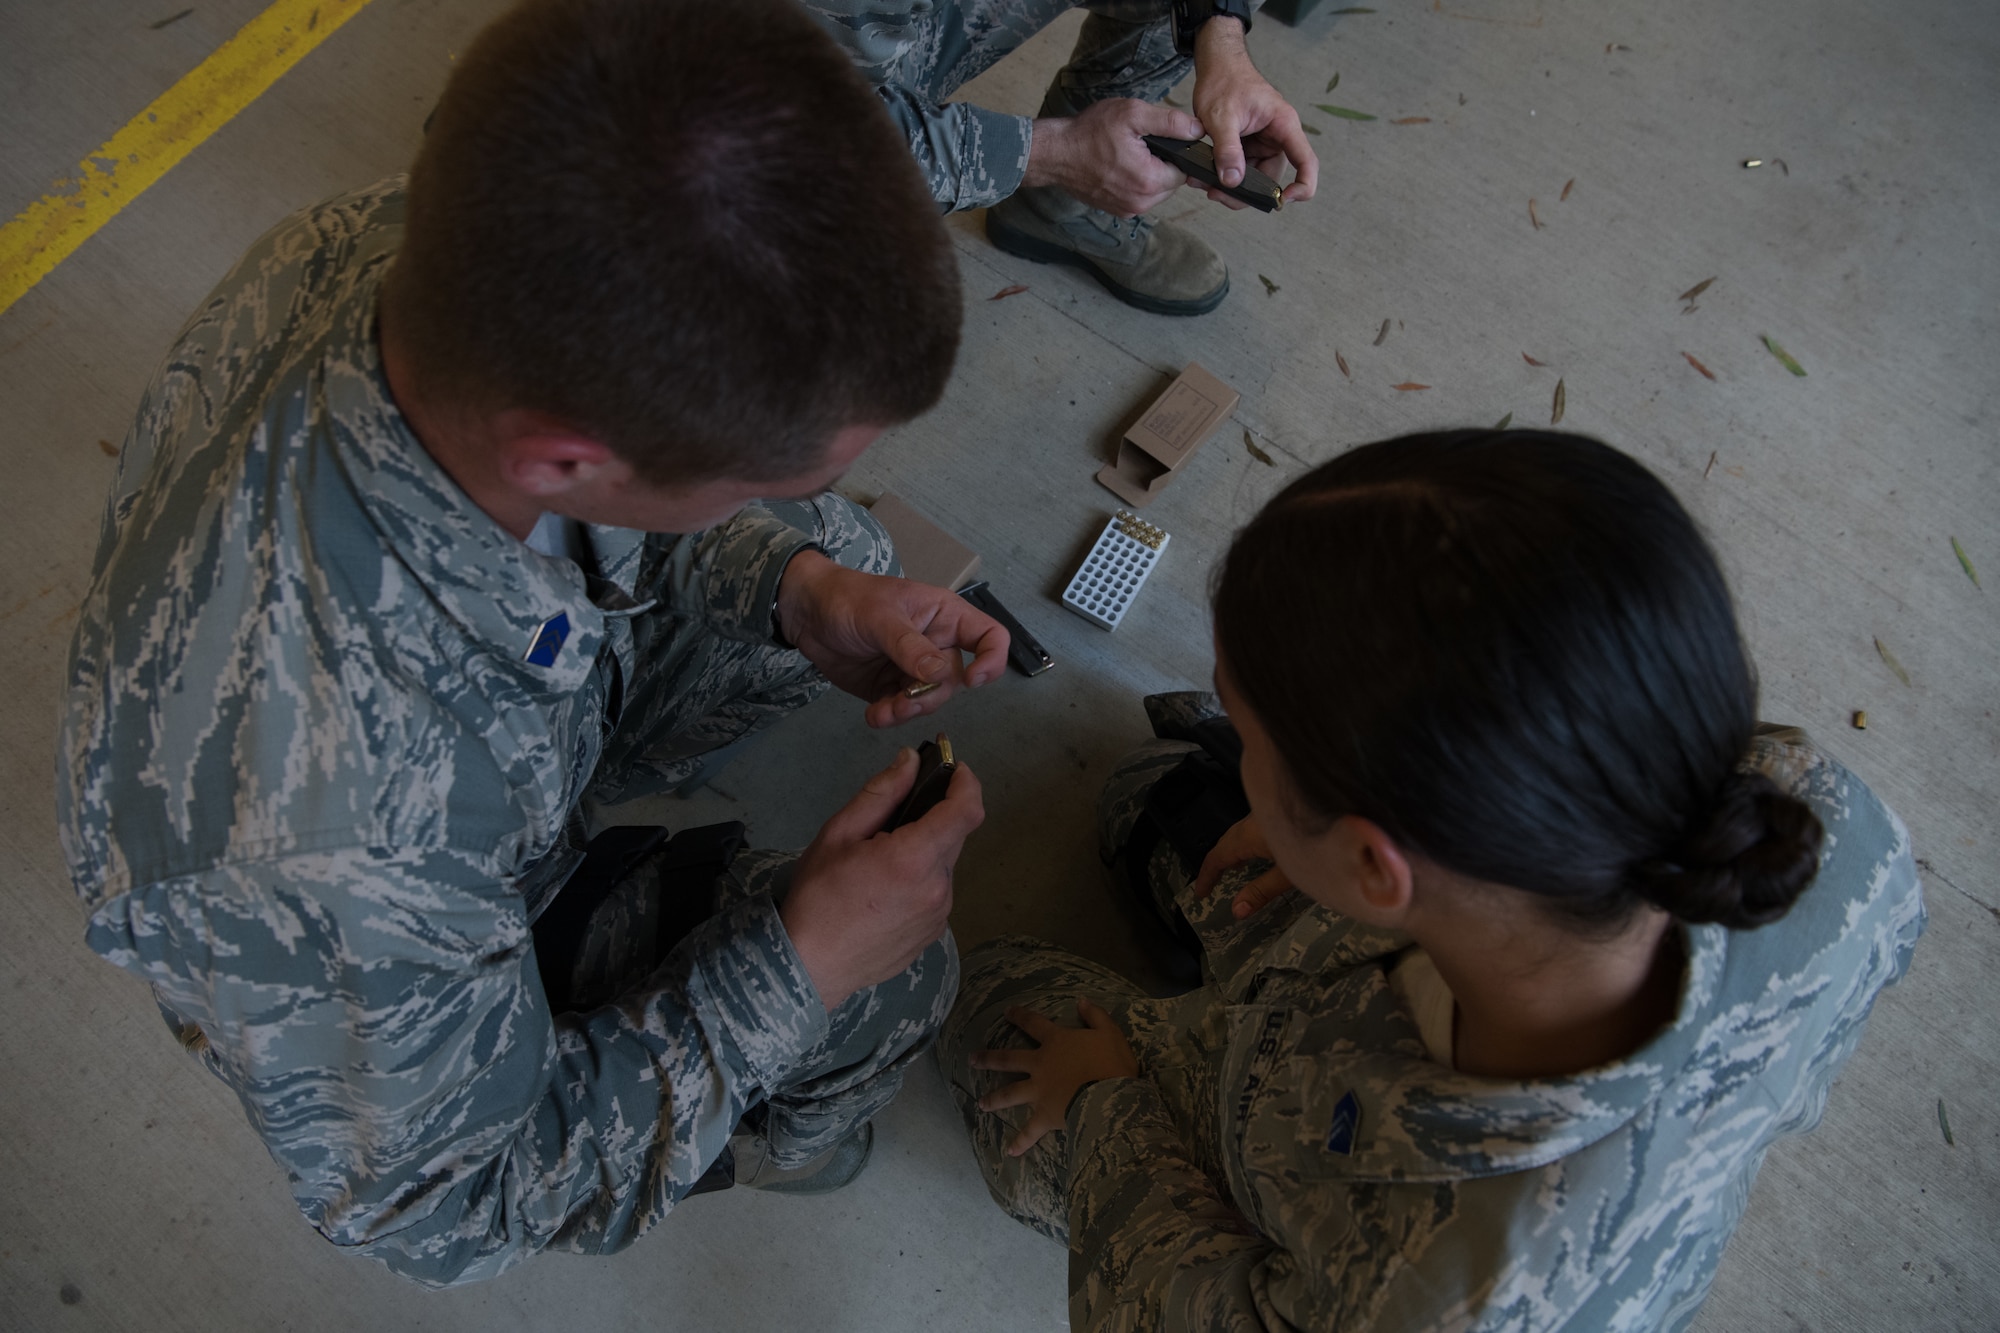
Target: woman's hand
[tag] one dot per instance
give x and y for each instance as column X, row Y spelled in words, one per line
column 1243, row 842
column 1066, row 1059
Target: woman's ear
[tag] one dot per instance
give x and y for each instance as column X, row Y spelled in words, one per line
column 1375, row 866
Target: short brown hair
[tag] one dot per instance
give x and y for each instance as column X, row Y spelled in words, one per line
column 687, row 228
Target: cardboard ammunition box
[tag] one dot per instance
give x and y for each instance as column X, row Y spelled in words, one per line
column 929, row 553
column 1166, row 435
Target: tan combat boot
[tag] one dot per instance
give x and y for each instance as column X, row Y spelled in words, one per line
column 1153, row 265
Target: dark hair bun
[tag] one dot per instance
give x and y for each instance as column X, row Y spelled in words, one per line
column 1757, row 854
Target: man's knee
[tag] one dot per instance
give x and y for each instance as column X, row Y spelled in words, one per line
column 877, row 1032
column 913, row 1004
column 847, row 532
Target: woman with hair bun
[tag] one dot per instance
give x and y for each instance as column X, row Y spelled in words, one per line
column 1519, row 940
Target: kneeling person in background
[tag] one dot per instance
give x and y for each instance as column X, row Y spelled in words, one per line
column 1074, row 183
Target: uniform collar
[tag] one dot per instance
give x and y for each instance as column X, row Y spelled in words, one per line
column 498, row 590
column 1421, row 1121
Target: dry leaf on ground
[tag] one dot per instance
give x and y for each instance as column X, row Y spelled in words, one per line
column 1412, row 120
column 1255, row 452
column 1531, row 215
column 1568, row 185
column 1006, row 292
column 1341, row 361
column 1784, row 357
column 1706, row 372
column 111, row 451
column 1711, row 465
column 1381, row 334
column 1531, row 361
column 1890, row 659
column 1410, row 386
column 1556, row 413
column 1964, row 560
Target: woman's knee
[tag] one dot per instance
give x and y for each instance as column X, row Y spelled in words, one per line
column 1123, row 799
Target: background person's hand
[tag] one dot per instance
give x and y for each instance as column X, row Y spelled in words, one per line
column 863, row 903
column 1243, row 842
column 873, row 635
column 1249, row 122
column 1101, row 158
column 1065, row 1059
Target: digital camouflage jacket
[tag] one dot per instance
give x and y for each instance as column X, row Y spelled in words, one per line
column 1292, row 1159
column 326, row 730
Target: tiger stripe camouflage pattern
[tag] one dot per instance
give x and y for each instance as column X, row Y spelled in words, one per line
column 312, row 790
column 919, row 54
column 1291, row 1158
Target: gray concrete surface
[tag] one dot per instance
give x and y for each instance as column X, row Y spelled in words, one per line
column 130, row 1178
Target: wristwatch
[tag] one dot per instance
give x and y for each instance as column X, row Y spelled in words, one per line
column 1189, row 15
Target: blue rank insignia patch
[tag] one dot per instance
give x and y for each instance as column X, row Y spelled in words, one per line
column 548, row 640
column 1346, row 1124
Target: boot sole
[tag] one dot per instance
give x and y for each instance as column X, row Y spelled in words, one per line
column 1024, row 246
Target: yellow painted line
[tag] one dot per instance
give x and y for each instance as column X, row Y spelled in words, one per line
column 47, row 231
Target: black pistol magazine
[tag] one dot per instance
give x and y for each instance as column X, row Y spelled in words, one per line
column 1024, row 650
column 1196, row 158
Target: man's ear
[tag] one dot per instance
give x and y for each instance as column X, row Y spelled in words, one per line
column 1379, row 870
column 541, row 457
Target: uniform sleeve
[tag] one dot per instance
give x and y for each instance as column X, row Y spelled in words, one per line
column 728, row 576
column 972, row 157
column 1153, row 1245
column 381, row 1020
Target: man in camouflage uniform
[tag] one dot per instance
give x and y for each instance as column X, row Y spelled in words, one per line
column 1290, row 1156
column 362, row 641
column 1073, row 184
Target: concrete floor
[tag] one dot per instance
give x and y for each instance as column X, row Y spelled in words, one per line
column 130, row 1178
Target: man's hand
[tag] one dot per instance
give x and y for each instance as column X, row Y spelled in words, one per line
column 872, row 636
column 1246, row 118
column 863, row 904
column 1243, row 842
column 1101, row 158
column 1067, row 1059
